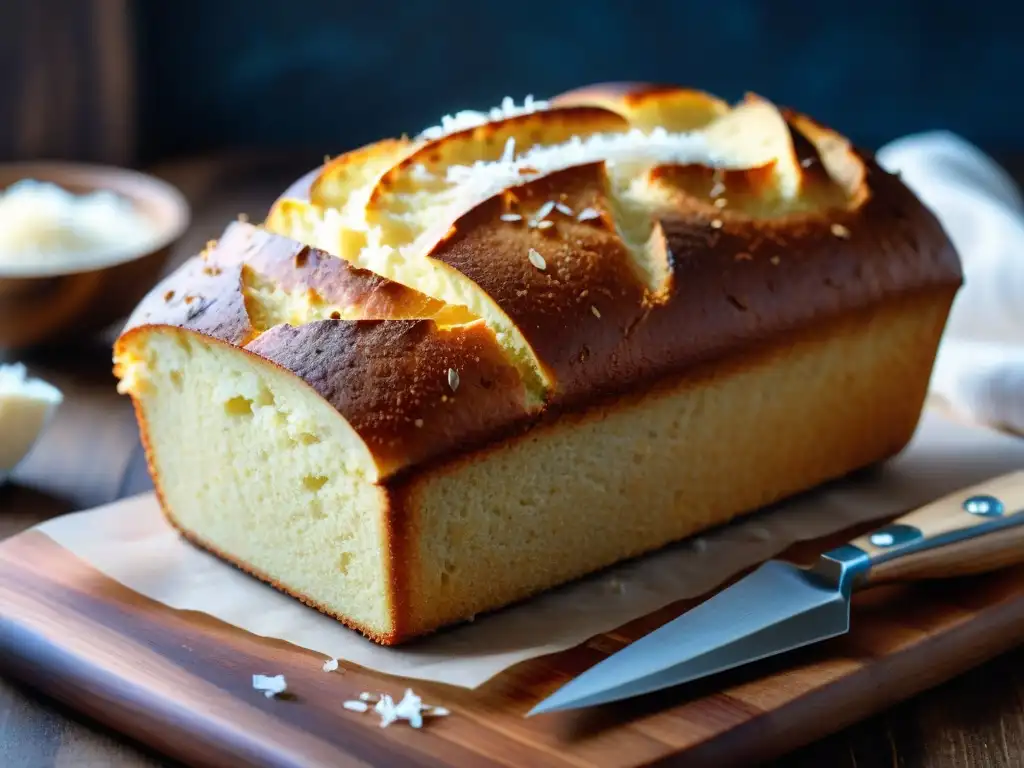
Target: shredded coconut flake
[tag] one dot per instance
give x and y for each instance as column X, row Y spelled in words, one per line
column 469, row 118
column 420, row 174
column 840, row 231
column 270, row 686
column 563, row 209
column 453, row 379
column 544, row 211
column 511, row 217
column 508, row 155
column 596, row 312
column 547, row 224
column 587, row 214
column 657, row 146
column 537, row 260
column 330, row 665
column 410, row 708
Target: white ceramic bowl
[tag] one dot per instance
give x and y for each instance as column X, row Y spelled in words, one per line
column 26, row 408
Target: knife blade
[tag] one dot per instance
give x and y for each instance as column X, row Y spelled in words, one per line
column 780, row 607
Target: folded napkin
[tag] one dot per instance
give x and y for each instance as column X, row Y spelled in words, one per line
column 979, row 372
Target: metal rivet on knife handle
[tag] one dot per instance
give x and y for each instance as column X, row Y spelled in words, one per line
column 895, row 536
column 984, row 506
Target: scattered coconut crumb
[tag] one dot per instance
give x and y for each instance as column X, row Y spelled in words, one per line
column 410, row 708
column 466, row 119
column 543, row 212
column 537, row 260
column 545, row 224
column 596, row 312
column 331, row 665
column 587, row 214
column 418, row 422
column 716, row 223
column 271, row 686
column 421, row 174
column 453, row 379
column 721, row 202
column 563, row 209
column 511, row 217
column 807, row 162
column 717, row 189
column 508, row 154
column 840, row 231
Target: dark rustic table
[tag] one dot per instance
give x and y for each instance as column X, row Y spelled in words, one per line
column 89, row 456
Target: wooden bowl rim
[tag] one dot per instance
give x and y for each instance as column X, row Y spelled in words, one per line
column 171, row 213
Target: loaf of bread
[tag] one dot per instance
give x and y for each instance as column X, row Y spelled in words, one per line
column 452, row 371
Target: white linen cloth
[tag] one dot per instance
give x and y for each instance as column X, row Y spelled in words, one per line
column 979, row 372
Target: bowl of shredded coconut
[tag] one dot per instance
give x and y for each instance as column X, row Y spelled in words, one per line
column 79, row 247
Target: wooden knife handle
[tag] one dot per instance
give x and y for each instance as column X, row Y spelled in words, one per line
column 975, row 530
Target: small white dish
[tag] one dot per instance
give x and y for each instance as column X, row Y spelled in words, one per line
column 26, row 407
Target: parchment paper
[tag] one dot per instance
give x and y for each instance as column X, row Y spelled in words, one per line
column 130, row 542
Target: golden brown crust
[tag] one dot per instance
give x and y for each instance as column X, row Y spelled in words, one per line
column 393, row 382
column 207, row 294
column 576, row 307
column 487, row 142
column 649, row 105
column 740, row 263
column 292, row 266
column 202, row 297
column 736, row 279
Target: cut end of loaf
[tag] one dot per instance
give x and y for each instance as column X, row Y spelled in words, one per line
column 237, row 445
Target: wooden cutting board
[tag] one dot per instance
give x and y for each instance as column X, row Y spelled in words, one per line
column 180, row 682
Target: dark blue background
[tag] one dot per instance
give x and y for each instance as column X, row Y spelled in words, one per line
column 332, row 75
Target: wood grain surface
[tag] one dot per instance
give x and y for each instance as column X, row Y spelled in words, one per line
column 181, row 682
column 87, row 458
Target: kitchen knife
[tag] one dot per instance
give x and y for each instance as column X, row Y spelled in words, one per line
column 780, row 606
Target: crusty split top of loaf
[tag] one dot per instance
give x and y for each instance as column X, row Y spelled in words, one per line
column 444, row 291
